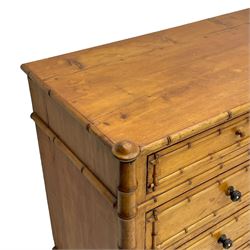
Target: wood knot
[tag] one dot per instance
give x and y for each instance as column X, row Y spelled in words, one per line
column 123, row 116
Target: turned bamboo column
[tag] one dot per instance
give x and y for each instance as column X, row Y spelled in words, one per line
column 126, row 152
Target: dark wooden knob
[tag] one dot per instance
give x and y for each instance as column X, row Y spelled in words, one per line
column 226, row 242
column 239, row 133
column 235, row 195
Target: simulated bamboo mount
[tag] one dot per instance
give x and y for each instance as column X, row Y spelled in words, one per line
column 100, row 187
column 127, row 152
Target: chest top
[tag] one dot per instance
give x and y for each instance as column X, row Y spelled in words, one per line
column 147, row 88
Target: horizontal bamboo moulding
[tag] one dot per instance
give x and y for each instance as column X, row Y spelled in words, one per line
column 145, row 142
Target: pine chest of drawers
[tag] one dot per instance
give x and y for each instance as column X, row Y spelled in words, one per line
column 145, row 142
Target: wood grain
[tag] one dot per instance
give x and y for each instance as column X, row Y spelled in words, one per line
column 204, row 207
column 76, row 208
column 237, row 229
column 72, row 216
column 194, row 154
column 142, row 80
column 83, row 168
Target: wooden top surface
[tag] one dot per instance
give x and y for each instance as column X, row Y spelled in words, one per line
column 146, row 88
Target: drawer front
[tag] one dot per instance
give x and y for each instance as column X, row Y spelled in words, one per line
column 237, row 230
column 193, row 155
column 182, row 187
column 211, row 204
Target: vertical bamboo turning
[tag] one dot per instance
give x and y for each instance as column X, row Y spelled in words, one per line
column 127, row 153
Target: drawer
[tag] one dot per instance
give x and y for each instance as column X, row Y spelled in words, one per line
column 237, row 230
column 191, row 156
column 194, row 179
column 170, row 224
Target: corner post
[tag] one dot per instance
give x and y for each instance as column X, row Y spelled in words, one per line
column 126, row 152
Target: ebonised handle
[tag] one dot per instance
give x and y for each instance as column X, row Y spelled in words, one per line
column 235, row 195
column 226, row 242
